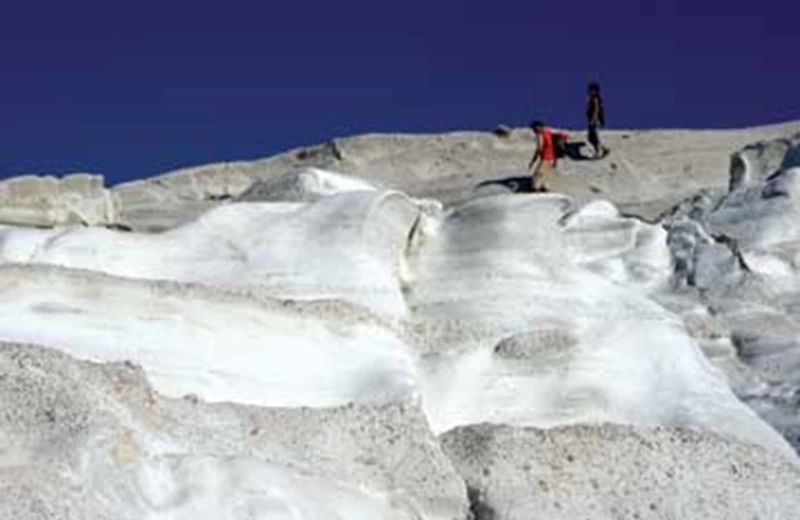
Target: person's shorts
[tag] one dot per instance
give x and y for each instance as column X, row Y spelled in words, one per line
column 594, row 136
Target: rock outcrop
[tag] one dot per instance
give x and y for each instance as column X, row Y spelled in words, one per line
column 485, row 316
column 611, row 472
column 755, row 162
column 79, row 199
column 737, row 255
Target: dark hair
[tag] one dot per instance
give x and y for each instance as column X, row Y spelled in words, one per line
column 537, row 124
column 594, row 87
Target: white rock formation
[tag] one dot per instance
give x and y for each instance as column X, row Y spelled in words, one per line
column 219, row 345
column 335, row 323
column 491, row 294
column 47, row 201
column 517, row 333
column 741, row 256
column 347, row 247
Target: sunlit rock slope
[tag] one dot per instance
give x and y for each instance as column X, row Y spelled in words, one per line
column 294, row 339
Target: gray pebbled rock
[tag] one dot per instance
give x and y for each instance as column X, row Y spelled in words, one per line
column 82, row 440
column 611, row 472
column 303, row 186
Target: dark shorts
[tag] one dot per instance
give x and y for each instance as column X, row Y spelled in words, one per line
column 594, row 136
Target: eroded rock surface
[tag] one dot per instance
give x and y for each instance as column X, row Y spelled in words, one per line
column 83, row 440
column 79, row 199
column 357, row 320
column 610, row 472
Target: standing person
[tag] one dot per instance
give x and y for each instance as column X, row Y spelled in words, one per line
column 548, row 145
column 596, row 117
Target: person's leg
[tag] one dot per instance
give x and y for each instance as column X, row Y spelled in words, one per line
column 594, row 139
column 537, row 178
column 546, row 168
column 602, row 150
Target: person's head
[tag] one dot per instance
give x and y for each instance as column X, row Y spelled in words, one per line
column 594, row 87
column 537, row 126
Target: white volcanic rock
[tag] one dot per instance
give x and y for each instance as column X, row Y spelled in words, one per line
column 219, row 345
column 346, row 247
column 515, row 332
column 327, row 289
column 610, row 472
column 48, row 201
column 757, row 276
column 492, row 294
column 757, row 161
column 760, row 215
column 622, row 249
column 82, row 440
column 740, row 254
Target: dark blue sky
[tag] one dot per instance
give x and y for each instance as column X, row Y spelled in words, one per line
column 131, row 89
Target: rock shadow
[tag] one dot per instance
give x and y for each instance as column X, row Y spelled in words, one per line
column 516, row 184
column 524, row 183
column 574, row 151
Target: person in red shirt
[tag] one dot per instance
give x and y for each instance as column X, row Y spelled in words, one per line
column 546, row 153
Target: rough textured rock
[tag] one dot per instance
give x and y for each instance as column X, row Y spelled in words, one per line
column 736, row 257
column 82, row 440
column 612, row 472
column 756, row 162
column 47, row 201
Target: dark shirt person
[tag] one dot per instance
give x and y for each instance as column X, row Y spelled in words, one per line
column 596, row 118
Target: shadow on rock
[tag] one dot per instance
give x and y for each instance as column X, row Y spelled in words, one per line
column 574, row 151
column 478, row 508
column 516, row 184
